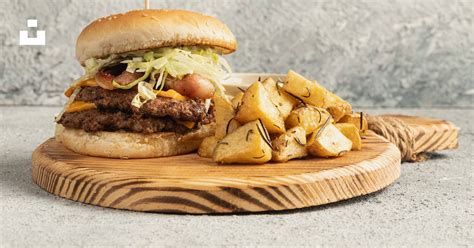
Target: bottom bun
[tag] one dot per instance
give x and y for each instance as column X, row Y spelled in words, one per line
column 131, row 145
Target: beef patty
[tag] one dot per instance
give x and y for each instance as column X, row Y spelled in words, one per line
column 96, row 120
column 188, row 110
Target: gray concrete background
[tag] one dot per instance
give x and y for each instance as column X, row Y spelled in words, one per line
column 430, row 205
column 383, row 53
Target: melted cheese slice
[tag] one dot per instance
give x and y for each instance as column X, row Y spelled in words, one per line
column 188, row 124
column 80, row 106
column 85, row 83
column 170, row 94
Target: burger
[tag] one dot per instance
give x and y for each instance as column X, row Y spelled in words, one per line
column 149, row 77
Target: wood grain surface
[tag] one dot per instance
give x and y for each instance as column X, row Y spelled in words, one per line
column 191, row 184
column 430, row 134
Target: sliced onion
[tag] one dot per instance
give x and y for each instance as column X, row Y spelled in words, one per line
column 207, row 104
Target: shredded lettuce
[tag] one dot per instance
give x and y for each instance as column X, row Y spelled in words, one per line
column 92, row 66
column 130, row 85
column 158, row 65
column 145, row 94
column 164, row 62
column 177, row 63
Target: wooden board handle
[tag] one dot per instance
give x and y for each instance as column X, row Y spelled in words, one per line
column 415, row 136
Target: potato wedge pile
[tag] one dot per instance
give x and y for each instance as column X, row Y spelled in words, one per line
column 282, row 120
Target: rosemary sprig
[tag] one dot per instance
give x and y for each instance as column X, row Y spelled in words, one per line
column 309, row 93
column 299, row 142
column 228, row 125
column 264, row 134
column 248, row 134
column 326, row 123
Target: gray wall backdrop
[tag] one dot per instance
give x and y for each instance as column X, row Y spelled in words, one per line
column 374, row 53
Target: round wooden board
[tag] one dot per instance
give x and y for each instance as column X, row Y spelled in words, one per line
column 191, row 184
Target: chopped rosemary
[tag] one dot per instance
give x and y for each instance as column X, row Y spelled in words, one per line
column 309, row 93
column 299, row 142
column 248, row 134
column 260, row 156
column 299, row 99
column 341, row 152
column 228, row 124
column 320, row 116
column 237, row 108
column 264, row 134
column 323, row 127
column 264, row 129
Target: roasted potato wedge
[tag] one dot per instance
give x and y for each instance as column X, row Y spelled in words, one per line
column 256, row 104
column 225, row 123
column 290, row 145
column 307, row 91
column 309, row 118
column 250, row 143
column 208, row 144
column 224, row 115
column 314, row 94
column 337, row 106
column 358, row 119
column 282, row 100
column 237, row 100
column 328, row 141
column 351, row 132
